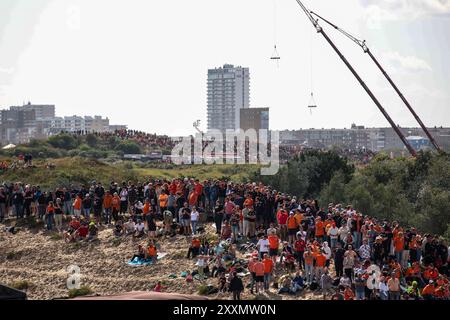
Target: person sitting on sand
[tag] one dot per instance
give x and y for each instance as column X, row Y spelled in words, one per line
column 139, row 229
column 118, row 228
column 82, row 231
column 158, row 287
column 74, row 225
column 297, row 283
column 93, row 231
column 140, row 255
column 194, row 249
column 129, row 227
column 152, row 252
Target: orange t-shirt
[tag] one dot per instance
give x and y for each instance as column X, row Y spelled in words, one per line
column 319, row 229
column 259, row 268
column 146, row 208
column 309, row 258
column 429, row 289
column 107, row 201
column 320, row 260
column 77, row 204
column 292, row 223
column 399, row 243
column 163, row 200
column 116, row 203
column 196, row 243
column 268, row 265
column 274, row 242
column 152, row 251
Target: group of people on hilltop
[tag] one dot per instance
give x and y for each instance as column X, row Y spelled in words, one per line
column 290, row 244
column 144, row 139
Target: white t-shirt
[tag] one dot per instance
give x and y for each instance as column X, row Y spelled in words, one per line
column 383, row 287
column 263, row 245
column 334, row 231
column 194, row 216
column 140, row 227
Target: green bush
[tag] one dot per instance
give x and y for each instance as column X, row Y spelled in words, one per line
column 128, row 147
column 63, row 141
column 91, row 140
column 203, row 290
column 21, row 285
column 83, row 291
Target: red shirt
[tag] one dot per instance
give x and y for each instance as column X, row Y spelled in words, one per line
column 198, row 188
column 300, row 245
column 259, row 268
column 83, row 231
column 268, row 265
column 282, row 217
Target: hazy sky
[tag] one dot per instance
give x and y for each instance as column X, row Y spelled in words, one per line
column 144, row 62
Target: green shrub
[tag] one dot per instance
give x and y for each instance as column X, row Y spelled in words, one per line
column 56, row 237
column 203, row 290
column 13, row 255
column 128, row 147
column 63, row 141
column 83, row 291
column 21, row 285
column 84, row 147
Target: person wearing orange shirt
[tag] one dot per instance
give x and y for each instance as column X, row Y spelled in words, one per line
column 77, row 206
column 320, row 230
column 107, row 206
column 194, row 249
column 292, row 225
column 115, row 204
column 50, row 215
column 399, row 244
column 321, row 260
column 259, row 269
column 152, row 252
column 298, row 216
column 146, row 208
column 163, row 197
column 308, row 257
column 429, row 290
column 268, row 269
column 274, row 244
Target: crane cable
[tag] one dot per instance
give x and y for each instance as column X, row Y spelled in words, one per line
column 320, row 30
column 363, row 45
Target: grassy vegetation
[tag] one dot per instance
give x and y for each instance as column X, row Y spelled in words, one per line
column 77, row 170
column 83, row 291
column 21, row 285
column 203, row 290
column 13, row 255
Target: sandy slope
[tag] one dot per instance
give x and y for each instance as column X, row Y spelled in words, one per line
column 42, row 261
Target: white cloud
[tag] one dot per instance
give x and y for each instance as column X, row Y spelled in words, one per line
column 410, row 63
column 378, row 11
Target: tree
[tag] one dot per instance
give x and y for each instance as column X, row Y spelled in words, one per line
column 63, row 141
column 128, row 147
column 91, row 140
